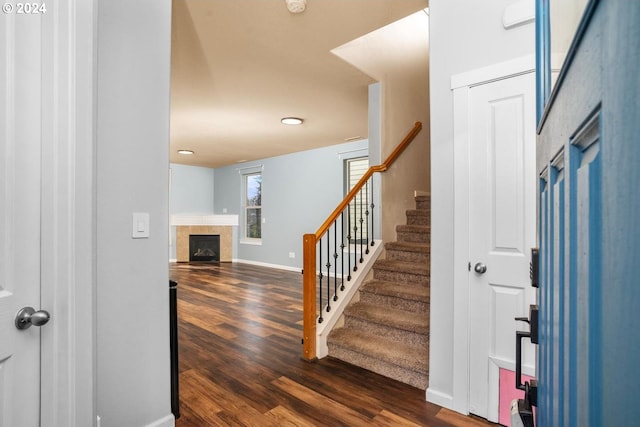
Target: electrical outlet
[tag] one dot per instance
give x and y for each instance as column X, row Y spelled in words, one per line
column 292, row 254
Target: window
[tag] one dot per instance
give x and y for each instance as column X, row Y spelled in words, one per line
column 253, row 206
column 354, row 170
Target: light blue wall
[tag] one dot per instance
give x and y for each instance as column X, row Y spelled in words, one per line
column 299, row 191
column 191, row 190
column 191, row 194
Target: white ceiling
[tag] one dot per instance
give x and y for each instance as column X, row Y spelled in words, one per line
column 239, row 66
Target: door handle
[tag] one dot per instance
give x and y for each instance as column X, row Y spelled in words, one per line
column 28, row 317
column 480, row 268
column 532, row 320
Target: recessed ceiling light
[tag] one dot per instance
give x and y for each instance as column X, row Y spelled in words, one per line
column 187, row 152
column 291, row 121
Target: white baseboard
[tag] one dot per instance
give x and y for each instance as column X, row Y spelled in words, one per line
column 167, row 421
column 264, row 264
column 173, row 260
column 441, row 399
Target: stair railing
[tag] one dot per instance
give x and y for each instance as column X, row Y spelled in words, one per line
column 344, row 238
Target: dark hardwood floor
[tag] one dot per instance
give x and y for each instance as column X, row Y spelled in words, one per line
column 239, row 339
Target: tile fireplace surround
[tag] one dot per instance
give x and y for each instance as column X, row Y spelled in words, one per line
column 211, row 224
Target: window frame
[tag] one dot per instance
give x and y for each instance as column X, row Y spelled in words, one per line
column 246, row 206
column 349, row 183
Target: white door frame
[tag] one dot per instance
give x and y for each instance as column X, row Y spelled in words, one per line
column 68, row 367
column 460, row 85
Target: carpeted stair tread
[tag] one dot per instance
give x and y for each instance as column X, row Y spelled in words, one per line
column 418, row 252
column 408, row 246
column 407, row 356
column 410, row 228
column 399, row 319
column 418, row 217
column 401, row 267
column 399, row 290
column 413, row 233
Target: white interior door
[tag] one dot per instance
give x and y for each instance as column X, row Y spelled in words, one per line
column 20, row 231
column 501, row 231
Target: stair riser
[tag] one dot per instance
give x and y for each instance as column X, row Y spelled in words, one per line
column 416, row 379
column 409, row 236
column 400, row 255
column 418, row 218
column 384, row 331
column 418, row 307
column 423, row 203
column 400, row 277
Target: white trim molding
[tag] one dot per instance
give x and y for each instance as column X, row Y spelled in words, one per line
column 442, row 399
column 204, row 219
column 502, row 70
column 68, row 364
column 166, row 421
column 265, row 264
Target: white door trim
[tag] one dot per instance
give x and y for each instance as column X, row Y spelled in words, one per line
column 68, row 220
column 460, row 85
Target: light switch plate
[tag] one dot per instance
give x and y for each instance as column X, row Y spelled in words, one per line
column 140, row 228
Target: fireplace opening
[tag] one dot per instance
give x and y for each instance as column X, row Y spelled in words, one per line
column 204, row 248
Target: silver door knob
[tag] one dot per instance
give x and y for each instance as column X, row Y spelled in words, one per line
column 27, row 317
column 480, row 268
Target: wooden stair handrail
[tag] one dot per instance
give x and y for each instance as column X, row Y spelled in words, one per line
column 309, row 321
column 379, row 168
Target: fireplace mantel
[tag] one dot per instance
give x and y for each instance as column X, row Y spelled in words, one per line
column 229, row 220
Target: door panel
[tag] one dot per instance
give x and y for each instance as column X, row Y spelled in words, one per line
column 589, row 365
column 20, row 180
column 584, row 261
column 502, row 229
column 570, row 344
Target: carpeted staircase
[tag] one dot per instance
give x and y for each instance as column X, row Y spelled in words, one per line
column 387, row 330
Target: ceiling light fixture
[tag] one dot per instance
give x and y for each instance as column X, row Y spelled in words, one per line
column 296, row 6
column 291, row 121
column 186, row 152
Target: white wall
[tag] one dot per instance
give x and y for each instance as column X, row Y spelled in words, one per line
column 464, row 35
column 132, row 152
